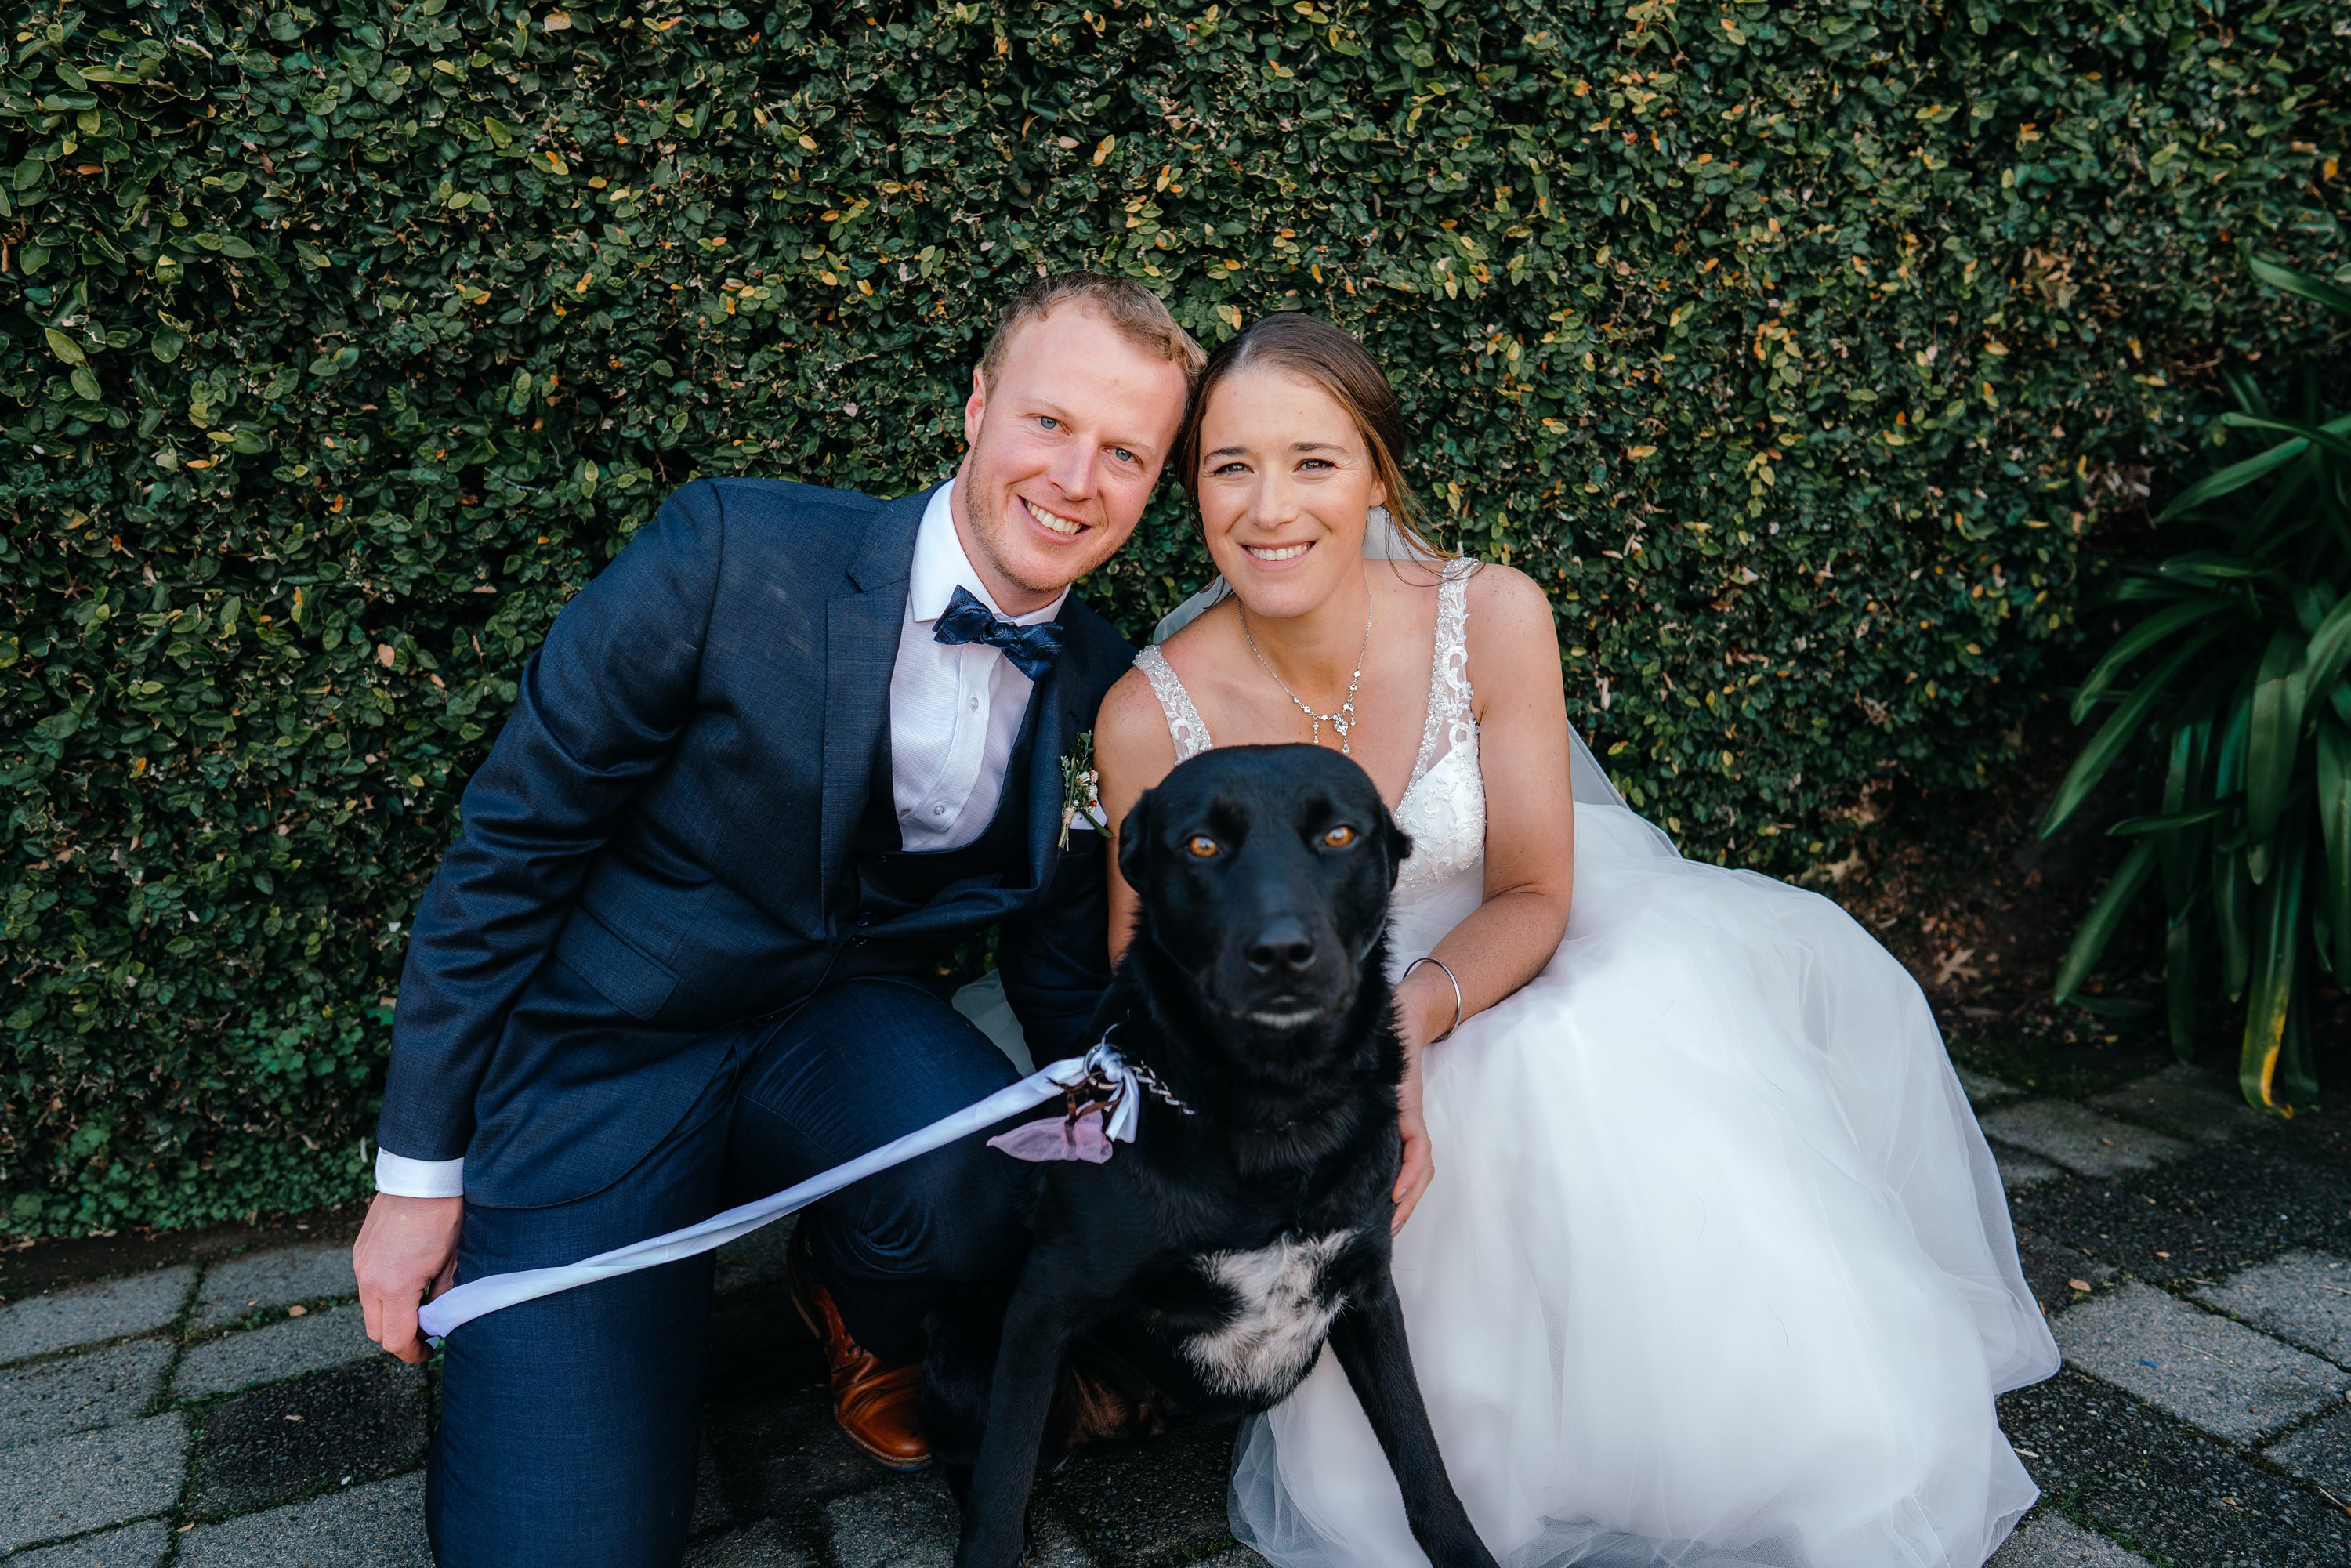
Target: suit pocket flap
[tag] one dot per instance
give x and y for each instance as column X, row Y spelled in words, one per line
column 619, row 973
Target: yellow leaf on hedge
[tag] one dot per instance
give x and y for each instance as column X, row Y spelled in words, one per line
column 1642, row 452
column 1104, row 148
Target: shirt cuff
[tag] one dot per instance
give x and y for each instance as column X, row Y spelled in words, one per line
column 403, row 1178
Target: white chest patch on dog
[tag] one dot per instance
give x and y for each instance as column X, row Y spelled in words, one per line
column 1281, row 1320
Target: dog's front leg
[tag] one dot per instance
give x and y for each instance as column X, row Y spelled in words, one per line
column 1038, row 1326
column 1369, row 1339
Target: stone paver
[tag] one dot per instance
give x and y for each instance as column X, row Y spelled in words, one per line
column 287, row 1348
column 2320, row 1452
column 775, row 1456
column 2302, row 1296
column 2080, row 1140
column 756, row 1262
column 378, row 1526
column 89, row 1313
column 266, row 1448
column 1983, row 1090
column 139, row 1545
column 77, row 1393
column 67, row 1486
column 2186, row 1101
column 242, row 1286
column 2139, row 1477
column 911, row 1523
column 770, row 1544
column 1156, row 1501
column 2058, row 1274
column 2200, row 1368
column 2050, row 1540
column 2018, row 1170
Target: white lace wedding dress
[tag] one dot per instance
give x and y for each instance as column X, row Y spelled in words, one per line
column 1716, row 1268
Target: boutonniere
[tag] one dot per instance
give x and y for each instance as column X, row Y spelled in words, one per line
column 1080, row 788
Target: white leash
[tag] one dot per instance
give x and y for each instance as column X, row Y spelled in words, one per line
column 1102, row 1064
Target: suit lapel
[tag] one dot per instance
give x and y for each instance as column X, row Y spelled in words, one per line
column 862, row 621
column 1053, row 710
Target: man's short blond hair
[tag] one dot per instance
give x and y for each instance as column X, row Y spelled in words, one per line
column 1138, row 314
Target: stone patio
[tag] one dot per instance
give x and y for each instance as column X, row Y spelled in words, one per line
column 2195, row 1262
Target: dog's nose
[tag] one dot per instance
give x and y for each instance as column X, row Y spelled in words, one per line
column 1283, row 947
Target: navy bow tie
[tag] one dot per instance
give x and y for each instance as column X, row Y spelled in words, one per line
column 1031, row 649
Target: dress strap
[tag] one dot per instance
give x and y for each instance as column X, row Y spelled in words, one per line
column 1448, row 724
column 1183, row 721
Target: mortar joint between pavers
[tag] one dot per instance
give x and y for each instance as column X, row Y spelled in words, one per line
column 262, row 1317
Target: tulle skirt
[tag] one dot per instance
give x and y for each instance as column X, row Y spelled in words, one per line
column 1716, row 1268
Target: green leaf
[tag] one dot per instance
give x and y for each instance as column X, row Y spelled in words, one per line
column 2212, row 565
column 2183, row 975
column 2231, row 479
column 2116, row 733
column 2277, row 939
column 2329, row 653
column 2142, row 637
column 2317, row 435
column 2334, row 749
column 63, row 348
column 2106, row 916
column 2232, row 917
column 2286, row 280
column 2167, row 821
column 2273, row 741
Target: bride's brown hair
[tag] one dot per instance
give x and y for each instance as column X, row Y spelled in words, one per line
column 1314, row 351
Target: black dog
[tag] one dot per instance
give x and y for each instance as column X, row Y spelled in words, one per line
column 1249, row 1221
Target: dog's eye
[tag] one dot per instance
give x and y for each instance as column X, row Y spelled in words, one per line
column 1340, row 837
column 1202, row 846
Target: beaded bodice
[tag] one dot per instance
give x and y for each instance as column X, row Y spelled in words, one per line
column 1444, row 804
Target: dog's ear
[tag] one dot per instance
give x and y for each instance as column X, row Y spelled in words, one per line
column 1398, row 842
column 1134, row 843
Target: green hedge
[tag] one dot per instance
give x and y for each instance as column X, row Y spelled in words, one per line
column 1796, row 348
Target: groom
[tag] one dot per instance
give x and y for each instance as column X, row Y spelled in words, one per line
column 768, row 770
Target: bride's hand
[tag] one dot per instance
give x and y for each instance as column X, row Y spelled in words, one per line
column 1419, row 1162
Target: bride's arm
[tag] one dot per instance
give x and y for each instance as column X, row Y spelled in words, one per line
column 1132, row 751
column 1522, row 750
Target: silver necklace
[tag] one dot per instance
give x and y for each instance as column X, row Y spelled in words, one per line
column 1343, row 719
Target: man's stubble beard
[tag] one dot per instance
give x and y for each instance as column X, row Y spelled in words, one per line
column 983, row 509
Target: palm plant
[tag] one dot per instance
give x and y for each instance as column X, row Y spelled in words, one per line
column 2240, row 725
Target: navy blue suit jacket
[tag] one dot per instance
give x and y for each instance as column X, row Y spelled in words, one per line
column 659, row 845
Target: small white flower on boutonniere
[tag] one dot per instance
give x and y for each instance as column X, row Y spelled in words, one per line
column 1080, row 788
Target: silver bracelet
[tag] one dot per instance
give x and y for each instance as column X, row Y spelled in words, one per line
column 1431, row 958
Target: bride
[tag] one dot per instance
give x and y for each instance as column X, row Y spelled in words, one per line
column 1707, row 1261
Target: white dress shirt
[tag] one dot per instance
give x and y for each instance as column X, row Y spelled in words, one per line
column 956, row 712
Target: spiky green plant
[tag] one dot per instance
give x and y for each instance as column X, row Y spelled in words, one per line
column 2239, row 727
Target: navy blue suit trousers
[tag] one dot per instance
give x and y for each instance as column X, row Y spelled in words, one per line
column 568, row 1424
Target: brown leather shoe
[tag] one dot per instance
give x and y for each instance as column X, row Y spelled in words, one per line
column 872, row 1398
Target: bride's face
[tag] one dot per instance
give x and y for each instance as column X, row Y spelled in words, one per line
column 1286, row 482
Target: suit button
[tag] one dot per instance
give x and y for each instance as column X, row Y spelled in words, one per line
column 865, row 919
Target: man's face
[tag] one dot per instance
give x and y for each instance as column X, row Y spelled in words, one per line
column 1064, row 449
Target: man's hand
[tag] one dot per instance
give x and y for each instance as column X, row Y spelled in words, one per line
column 1419, row 1160
column 406, row 1255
